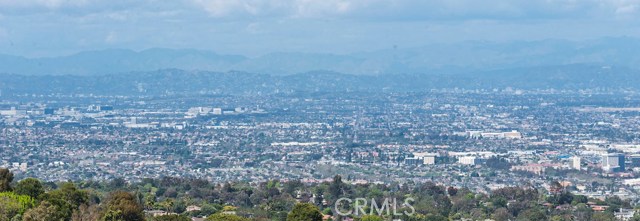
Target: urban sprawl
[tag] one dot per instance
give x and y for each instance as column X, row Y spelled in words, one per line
column 588, row 141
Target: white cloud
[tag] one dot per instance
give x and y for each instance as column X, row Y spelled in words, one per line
column 419, row 9
column 258, row 26
column 626, row 8
column 219, row 7
column 353, row 9
column 238, row 8
column 286, row 8
column 51, row 4
column 112, row 37
column 314, row 8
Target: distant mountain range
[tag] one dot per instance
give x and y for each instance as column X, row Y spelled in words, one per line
column 182, row 82
column 435, row 59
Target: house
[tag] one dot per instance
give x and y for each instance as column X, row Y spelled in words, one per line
column 624, row 214
column 193, row 208
column 155, row 213
column 599, row 208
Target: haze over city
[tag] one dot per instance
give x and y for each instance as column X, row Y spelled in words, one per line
column 320, row 110
column 36, row 28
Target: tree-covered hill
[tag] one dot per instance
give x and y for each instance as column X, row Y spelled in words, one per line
column 177, row 199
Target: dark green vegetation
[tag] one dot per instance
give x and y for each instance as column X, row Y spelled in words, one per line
column 170, row 198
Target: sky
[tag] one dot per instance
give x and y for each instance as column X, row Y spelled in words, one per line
column 37, row 28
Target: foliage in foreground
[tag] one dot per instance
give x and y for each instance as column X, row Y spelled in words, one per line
column 117, row 200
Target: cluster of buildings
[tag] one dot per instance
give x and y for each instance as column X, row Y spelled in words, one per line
column 481, row 140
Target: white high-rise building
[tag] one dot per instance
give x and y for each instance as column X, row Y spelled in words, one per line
column 514, row 134
column 468, row 160
column 577, row 162
column 427, row 158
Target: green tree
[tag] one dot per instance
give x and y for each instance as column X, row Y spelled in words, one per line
column 179, row 206
column 12, row 204
column 603, row 216
column 533, row 214
column 327, row 211
column 577, row 199
column 225, row 217
column 228, row 208
column 113, row 215
column 304, row 212
column 336, row 188
column 149, row 201
column 208, row 209
column 44, row 212
column 69, row 193
column 501, row 214
column 452, row 191
column 615, row 203
column 171, row 218
column 31, row 187
column 434, row 217
column 582, row 212
column 66, row 198
column 291, row 186
column 6, row 177
column 61, row 205
column 371, row 218
column 556, row 218
column 167, row 204
column 636, row 217
column 122, row 205
column 86, row 213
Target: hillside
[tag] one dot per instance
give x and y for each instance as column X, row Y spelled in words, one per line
column 431, row 59
column 176, row 81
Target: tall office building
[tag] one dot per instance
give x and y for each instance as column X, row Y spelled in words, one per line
column 635, row 160
column 613, row 162
column 422, row 158
column 49, row 111
column 577, row 162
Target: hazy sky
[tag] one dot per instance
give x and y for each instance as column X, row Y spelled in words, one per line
column 255, row 27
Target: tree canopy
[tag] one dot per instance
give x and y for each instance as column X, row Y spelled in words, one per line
column 31, row 187
column 123, row 205
column 304, row 212
column 225, row 217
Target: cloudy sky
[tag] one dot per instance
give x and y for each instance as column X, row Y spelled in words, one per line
column 36, row 28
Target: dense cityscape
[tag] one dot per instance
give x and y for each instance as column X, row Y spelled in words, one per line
column 480, row 140
column 320, row 110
